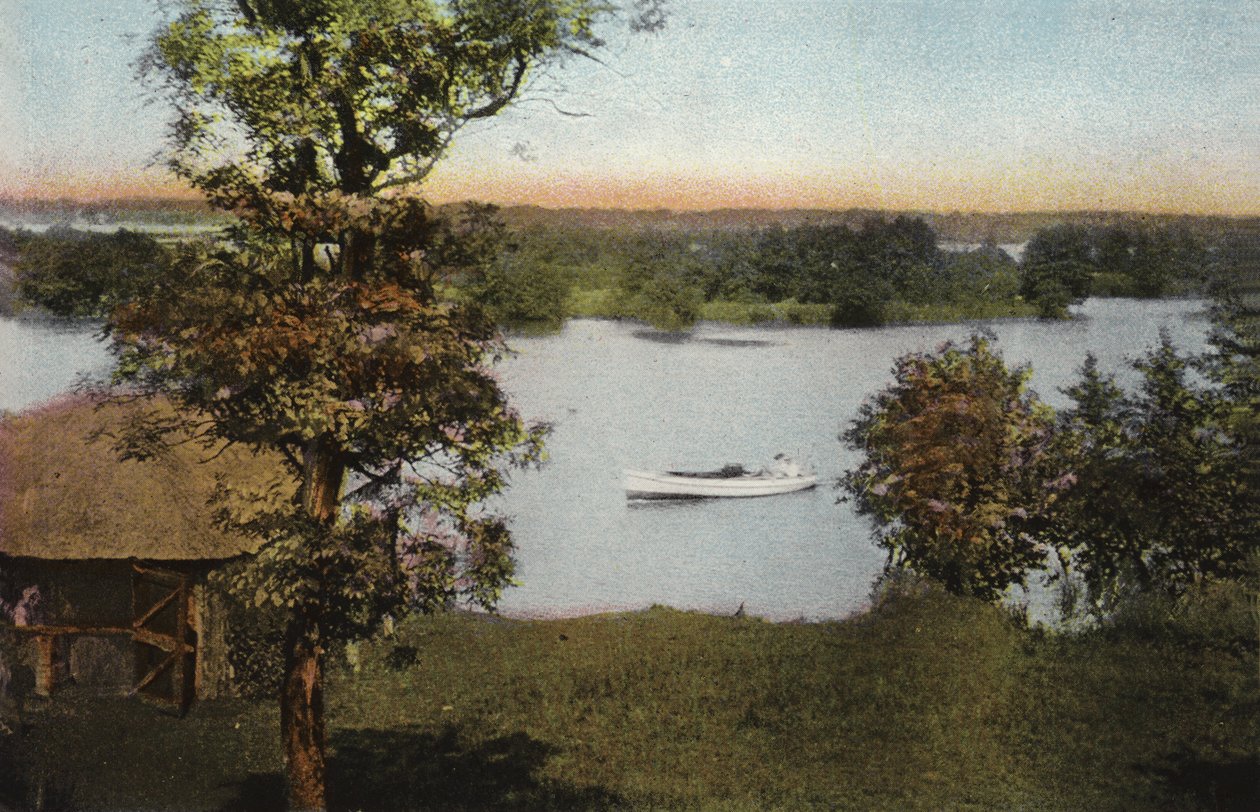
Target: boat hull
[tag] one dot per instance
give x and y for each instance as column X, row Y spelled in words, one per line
column 657, row 485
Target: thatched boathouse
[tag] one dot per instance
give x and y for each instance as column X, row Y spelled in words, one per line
column 104, row 562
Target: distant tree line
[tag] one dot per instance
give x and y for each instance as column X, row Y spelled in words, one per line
column 1064, row 264
column 856, row 276
column 667, row 278
column 848, row 276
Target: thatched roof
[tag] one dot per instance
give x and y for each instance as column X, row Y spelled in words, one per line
column 66, row 496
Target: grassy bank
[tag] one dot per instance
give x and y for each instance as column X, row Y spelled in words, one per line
column 928, row 702
column 604, row 303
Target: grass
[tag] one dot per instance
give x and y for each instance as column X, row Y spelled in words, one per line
column 603, row 303
column 974, row 310
column 927, row 702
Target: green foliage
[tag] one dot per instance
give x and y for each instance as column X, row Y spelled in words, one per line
column 522, row 295
column 1056, row 269
column 955, row 470
column 1065, row 263
column 490, row 268
column 799, row 313
column 738, row 312
column 8, row 282
column 973, row 483
column 519, row 292
column 322, row 331
column 1161, row 498
column 860, row 307
column 1113, row 285
column 985, row 274
column 1157, row 261
column 1212, row 615
column 334, row 95
column 75, row 273
column 381, row 379
column 662, row 293
column 1234, row 362
column 255, row 644
column 857, row 273
column 809, row 274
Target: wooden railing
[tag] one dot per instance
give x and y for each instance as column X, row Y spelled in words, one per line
column 49, row 668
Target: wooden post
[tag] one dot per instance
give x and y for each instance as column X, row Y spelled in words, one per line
column 45, row 679
column 179, row 677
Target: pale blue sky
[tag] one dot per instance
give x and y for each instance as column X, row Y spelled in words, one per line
column 928, row 105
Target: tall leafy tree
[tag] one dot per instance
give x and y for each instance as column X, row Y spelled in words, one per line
column 1234, row 362
column 1162, row 492
column 1057, row 268
column 1093, row 525
column 956, row 473
column 320, row 331
column 1188, row 468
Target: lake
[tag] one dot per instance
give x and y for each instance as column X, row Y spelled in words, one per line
column 620, row 395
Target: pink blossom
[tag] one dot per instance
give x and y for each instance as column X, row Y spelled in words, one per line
column 377, row 334
column 1063, row 482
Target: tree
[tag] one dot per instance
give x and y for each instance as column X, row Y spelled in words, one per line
column 1093, row 524
column 1188, row 474
column 1234, row 361
column 659, row 289
column 986, row 273
column 903, row 253
column 321, row 332
column 518, row 288
column 1057, row 269
column 1160, row 496
column 75, row 273
column 955, row 470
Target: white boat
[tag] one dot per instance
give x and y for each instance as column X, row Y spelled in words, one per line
column 730, row 481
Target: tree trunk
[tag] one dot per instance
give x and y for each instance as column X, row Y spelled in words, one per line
column 302, row 691
column 302, row 719
column 360, row 254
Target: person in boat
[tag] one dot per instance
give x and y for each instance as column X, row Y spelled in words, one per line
column 783, row 466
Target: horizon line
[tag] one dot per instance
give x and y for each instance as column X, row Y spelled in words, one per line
column 185, row 200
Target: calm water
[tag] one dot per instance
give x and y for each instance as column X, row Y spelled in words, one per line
column 40, row 359
column 622, row 396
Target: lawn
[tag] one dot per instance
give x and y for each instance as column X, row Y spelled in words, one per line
column 926, row 702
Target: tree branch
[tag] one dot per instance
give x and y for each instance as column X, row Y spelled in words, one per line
column 494, row 106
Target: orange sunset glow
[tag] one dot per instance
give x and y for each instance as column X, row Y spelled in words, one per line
column 1160, row 191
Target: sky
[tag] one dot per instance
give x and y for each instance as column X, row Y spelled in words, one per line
column 928, row 106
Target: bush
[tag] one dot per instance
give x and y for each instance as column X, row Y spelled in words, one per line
column 520, row 293
column 794, row 312
column 1113, row 284
column 955, row 471
column 668, row 304
column 858, row 308
column 1212, row 614
column 733, row 312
